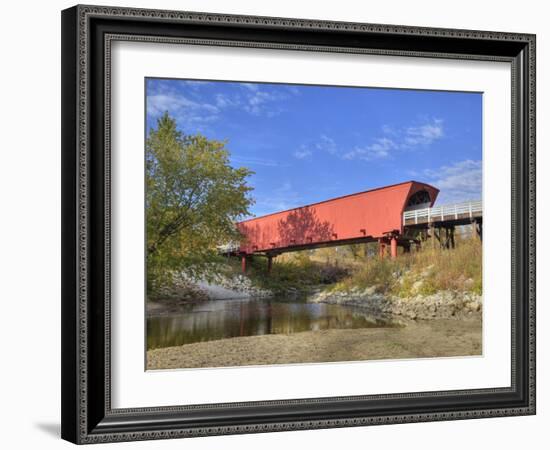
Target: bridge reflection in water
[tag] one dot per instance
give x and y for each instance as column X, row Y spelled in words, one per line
column 221, row 319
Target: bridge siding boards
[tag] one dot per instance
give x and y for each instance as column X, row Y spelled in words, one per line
column 370, row 215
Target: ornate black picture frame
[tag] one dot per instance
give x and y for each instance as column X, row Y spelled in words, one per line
column 87, row 34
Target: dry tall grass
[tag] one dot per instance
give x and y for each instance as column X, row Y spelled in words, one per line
column 425, row 272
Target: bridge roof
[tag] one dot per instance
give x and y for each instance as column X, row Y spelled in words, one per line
column 410, row 182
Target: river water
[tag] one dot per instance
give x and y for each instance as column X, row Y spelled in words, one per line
column 221, row 319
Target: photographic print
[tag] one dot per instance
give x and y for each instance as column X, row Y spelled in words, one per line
column 292, row 224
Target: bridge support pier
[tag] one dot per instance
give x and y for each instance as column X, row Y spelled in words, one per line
column 243, row 263
column 449, row 241
column 269, row 263
column 393, row 247
column 432, row 235
column 381, row 248
column 452, row 237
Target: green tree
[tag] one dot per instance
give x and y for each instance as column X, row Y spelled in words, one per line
column 193, row 198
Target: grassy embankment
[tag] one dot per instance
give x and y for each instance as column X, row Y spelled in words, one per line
column 292, row 272
column 424, row 272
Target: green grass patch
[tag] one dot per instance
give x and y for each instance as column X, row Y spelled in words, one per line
column 297, row 272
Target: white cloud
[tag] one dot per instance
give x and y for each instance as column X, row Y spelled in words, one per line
column 260, row 102
column 424, row 134
column 158, row 104
column 196, row 83
column 303, row 152
column 323, row 144
column 326, row 144
column 460, row 181
column 379, row 149
column 225, row 101
column 264, row 100
column 293, row 90
column 398, row 139
column 186, row 112
column 190, row 109
column 252, row 161
column 254, row 87
column 392, row 140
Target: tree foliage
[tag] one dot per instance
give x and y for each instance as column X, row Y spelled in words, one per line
column 193, row 198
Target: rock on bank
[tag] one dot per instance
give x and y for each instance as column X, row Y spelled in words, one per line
column 441, row 305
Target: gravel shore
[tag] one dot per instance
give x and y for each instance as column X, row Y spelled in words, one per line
column 420, row 339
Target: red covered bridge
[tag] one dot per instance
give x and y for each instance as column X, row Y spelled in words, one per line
column 369, row 216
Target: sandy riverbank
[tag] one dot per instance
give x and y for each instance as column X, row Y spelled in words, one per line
column 421, row 339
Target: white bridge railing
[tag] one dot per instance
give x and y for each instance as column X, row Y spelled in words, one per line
column 444, row 212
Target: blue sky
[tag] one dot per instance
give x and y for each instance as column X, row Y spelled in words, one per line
column 310, row 143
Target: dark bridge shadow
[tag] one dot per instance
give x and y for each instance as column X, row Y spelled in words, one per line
column 302, row 227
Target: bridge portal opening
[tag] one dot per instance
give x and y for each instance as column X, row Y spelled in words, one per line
column 419, row 200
